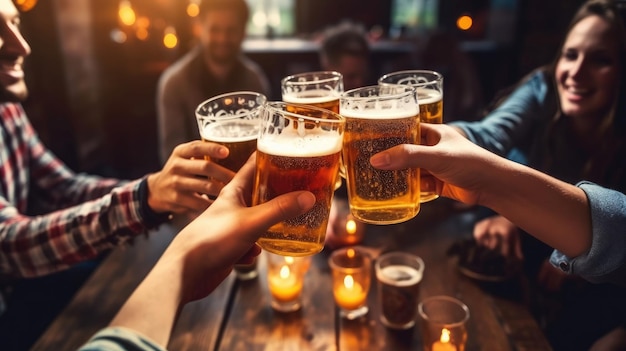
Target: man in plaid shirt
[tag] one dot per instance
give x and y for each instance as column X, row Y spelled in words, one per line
column 52, row 218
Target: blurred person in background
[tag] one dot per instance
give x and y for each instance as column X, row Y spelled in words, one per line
column 568, row 120
column 345, row 48
column 215, row 66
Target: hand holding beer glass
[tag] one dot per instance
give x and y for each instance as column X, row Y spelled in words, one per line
column 321, row 89
column 297, row 151
column 232, row 120
column 377, row 118
column 429, row 86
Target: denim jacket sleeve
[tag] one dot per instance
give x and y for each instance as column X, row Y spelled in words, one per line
column 509, row 124
column 606, row 259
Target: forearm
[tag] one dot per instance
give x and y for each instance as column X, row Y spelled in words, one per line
column 152, row 308
column 553, row 211
column 38, row 245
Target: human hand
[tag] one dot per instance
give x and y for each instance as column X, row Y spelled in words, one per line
column 226, row 232
column 498, row 233
column 187, row 178
column 551, row 278
column 454, row 164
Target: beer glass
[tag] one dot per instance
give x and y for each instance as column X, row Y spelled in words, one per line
column 297, row 151
column 429, row 86
column 321, row 89
column 232, row 120
column 378, row 118
column 399, row 275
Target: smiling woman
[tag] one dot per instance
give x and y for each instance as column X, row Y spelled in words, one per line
column 563, row 119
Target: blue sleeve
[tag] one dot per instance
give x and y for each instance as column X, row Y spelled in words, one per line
column 120, row 339
column 606, row 259
column 509, row 124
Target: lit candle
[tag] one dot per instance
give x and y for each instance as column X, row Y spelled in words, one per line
column 349, row 295
column 285, row 287
column 444, row 342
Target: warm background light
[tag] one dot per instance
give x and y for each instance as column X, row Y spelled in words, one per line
column 193, row 9
column 25, row 5
column 170, row 40
column 126, row 13
column 464, row 22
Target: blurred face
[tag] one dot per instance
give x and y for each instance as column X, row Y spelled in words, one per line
column 587, row 71
column 221, row 36
column 353, row 69
column 13, row 49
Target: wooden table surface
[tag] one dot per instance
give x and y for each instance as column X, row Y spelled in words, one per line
column 238, row 316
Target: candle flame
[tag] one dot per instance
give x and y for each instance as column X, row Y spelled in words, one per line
column 289, row 259
column 348, row 281
column 351, row 226
column 284, row 272
column 351, row 253
column 445, row 336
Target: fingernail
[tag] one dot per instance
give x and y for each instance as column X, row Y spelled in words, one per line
column 306, row 200
column 380, row 160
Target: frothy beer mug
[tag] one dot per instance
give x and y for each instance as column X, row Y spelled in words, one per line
column 429, row 87
column 321, row 89
column 231, row 120
column 297, row 151
column 378, row 118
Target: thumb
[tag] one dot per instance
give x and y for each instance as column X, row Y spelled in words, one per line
column 282, row 207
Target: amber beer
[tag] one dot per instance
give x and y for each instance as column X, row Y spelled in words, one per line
column 239, row 136
column 313, row 98
column 231, row 120
column 378, row 118
column 429, row 86
column 321, row 89
column 299, row 153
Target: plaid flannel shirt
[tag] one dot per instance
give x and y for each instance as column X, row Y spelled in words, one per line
column 52, row 218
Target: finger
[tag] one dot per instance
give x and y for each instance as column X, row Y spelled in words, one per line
column 281, row 208
column 200, row 149
column 244, row 178
column 185, row 203
column 250, row 256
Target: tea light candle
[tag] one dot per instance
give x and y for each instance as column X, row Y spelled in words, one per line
column 444, row 342
column 285, row 286
column 350, row 295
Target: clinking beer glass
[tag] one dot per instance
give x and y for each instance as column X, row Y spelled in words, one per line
column 378, row 118
column 429, row 86
column 297, row 152
column 319, row 88
column 232, row 120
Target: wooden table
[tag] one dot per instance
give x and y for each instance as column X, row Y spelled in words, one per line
column 238, row 316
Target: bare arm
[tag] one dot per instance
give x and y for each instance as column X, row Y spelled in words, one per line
column 555, row 212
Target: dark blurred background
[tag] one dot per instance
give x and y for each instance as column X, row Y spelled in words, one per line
column 93, row 78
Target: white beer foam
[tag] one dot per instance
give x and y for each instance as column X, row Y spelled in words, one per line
column 315, row 96
column 231, row 131
column 379, row 113
column 428, row 96
column 400, row 275
column 290, row 143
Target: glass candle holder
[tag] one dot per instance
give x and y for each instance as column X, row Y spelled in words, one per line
column 343, row 229
column 443, row 320
column 351, row 272
column 285, row 277
column 399, row 275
